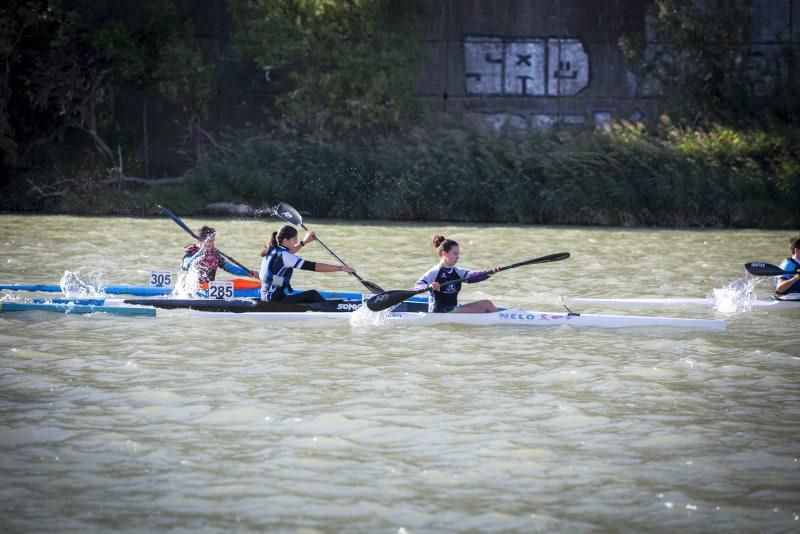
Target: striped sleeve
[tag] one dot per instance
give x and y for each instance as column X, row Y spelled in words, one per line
column 291, row 261
column 232, row 268
column 427, row 279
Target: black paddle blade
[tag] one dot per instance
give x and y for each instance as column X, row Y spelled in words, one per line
column 288, row 214
column 765, row 269
column 558, row 256
column 386, row 300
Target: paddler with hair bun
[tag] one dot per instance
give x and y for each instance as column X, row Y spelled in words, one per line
column 279, row 262
column 788, row 286
column 445, row 299
column 205, row 258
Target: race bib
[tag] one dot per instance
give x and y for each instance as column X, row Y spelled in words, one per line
column 160, row 278
column 220, row 290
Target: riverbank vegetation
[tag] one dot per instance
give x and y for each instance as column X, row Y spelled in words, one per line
column 627, row 174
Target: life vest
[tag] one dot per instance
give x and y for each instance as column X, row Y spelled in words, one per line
column 447, row 297
column 276, row 276
column 206, row 264
column 794, row 288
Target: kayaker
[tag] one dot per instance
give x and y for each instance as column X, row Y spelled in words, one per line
column 205, row 258
column 444, row 300
column 788, row 286
column 279, row 262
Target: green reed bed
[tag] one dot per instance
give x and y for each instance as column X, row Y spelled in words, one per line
column 624, row 175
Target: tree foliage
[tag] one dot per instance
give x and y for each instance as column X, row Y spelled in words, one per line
column 64, row 61
column 186, row 78
column 698, row 56
column 350, row 65
column 627, row 174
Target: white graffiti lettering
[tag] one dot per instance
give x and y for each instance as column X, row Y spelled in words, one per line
column 533, row 67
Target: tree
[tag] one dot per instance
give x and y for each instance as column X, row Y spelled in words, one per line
column 63, row 61
column 187, row 79
column 701, row 50
column 350, row 64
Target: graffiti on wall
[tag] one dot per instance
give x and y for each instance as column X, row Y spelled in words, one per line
column 525, row 67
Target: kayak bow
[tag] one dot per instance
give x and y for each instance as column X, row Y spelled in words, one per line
column 627, row 303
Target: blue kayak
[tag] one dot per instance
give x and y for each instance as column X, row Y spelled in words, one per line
column 71, row 308
column 153, row 291
column 142, row 291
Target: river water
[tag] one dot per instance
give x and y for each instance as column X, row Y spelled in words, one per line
column 130, row 423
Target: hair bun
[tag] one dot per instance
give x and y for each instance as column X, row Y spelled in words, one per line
column 437, row 240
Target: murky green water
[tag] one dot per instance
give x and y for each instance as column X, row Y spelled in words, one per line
column 174, row 423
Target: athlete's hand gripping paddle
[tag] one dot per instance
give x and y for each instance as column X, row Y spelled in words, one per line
column 289, row 214
column 392, row 298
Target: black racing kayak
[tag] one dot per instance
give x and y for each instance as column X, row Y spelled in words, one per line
column 250, row 306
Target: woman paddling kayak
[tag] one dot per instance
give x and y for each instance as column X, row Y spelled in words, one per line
column 444, row 300
column 205, row 258
column 788, row 286
column 280, row 262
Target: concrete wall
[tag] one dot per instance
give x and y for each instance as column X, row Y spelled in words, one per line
column 531, row 63
column 527, row 63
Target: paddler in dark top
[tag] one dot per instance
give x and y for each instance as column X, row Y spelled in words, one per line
column 445, row 299
column 206, row 259
column 788, row 286
column 280, row 262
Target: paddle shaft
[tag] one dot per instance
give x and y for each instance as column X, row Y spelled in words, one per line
column 371, row 286
column 392, row 298
column 182, row 224
column 291, row 215
column 332, row 253
column 543, row 259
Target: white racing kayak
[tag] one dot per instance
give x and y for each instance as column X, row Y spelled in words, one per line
column 744, row 305
column 517, row 317
column 508, row 317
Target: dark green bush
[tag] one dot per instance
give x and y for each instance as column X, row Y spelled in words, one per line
column 625, row 175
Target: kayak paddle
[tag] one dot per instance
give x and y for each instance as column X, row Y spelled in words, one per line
column 182, row 224
column 392, row 298
column 289, row 214
column 765, row 269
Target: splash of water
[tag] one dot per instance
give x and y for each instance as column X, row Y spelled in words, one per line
column 187, row 284
column 266, row 210
column 77, row 284
column 363, row 316
column 738, row 296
